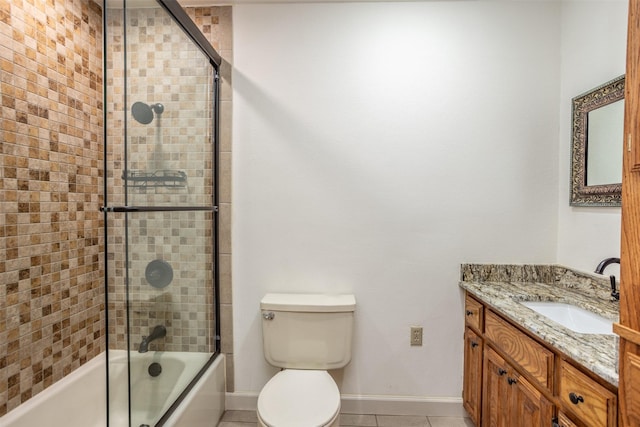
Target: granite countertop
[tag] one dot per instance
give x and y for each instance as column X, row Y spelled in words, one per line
column 503, row 287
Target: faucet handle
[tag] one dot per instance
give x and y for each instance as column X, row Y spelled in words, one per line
column 615, row 293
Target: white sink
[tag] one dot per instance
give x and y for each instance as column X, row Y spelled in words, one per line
column 575, row 318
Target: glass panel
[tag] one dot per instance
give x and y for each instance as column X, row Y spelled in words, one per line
column 169, row 101
column 160, row 264
column 116, row 261
column 170, row 276
column 169, row 300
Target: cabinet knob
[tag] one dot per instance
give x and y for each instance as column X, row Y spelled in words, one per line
column 474, row 344
column 575, row 398
column 469, row 312
column 511, row 381
column 501, row 371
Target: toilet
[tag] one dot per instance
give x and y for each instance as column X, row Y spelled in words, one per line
column 306, row 335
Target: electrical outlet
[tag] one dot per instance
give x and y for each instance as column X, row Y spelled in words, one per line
column 416, row 335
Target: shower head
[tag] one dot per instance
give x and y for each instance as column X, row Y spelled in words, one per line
column 143, row 113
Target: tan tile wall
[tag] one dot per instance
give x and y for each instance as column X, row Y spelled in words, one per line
column 216, row 24
column 51, row 231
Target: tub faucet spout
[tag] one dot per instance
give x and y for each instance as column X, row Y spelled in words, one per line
column 158, row 332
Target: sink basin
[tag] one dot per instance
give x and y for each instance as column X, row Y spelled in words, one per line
column 572, row 317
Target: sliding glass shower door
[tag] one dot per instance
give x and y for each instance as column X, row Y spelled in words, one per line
column 160, row 210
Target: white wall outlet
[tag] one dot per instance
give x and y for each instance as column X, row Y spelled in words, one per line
column 416, row 335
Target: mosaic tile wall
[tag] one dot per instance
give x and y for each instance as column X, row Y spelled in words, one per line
column 163, row 66
column 51, row 232
column 216, row 24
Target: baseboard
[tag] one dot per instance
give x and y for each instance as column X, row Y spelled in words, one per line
column 241, row 401
column 368, row 404
column 403, row 405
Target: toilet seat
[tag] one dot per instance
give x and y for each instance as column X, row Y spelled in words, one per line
column 299, row 398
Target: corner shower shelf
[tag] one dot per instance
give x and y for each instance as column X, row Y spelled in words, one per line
column 159, row 178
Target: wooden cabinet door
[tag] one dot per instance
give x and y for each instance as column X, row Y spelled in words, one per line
column 629, row 392
column 509, row 399
column 530, row 407
column 629, row 383
column 630, row 239
column 496, row 402
column 632, row 89
column 472, row 384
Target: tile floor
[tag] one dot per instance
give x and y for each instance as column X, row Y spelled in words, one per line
column 248, row 419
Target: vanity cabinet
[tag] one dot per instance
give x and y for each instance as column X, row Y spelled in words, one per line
column 512, row 379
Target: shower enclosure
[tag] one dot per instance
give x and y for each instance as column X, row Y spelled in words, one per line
column 160, row 213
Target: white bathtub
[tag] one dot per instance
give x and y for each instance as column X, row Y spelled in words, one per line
column 79, row 399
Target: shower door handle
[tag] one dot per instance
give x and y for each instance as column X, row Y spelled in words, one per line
column 157, row 208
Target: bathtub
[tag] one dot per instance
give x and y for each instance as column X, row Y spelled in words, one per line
column 79, row 399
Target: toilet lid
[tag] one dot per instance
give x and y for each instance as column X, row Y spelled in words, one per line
column 299, row 398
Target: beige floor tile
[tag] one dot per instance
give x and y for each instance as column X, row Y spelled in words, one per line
column 402, row 421
column 450, row 422
column 357, row 420
column 240, row 416
column 236, row 424
column 250, row 419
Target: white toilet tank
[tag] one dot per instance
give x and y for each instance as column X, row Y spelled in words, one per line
column 307, row 331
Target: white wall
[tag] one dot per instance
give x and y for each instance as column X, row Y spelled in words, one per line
column 593, row 47
column 376, row 147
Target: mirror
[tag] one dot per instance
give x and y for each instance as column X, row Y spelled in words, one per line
column 596, row 148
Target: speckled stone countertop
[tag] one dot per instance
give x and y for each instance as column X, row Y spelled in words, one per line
column 502, row 287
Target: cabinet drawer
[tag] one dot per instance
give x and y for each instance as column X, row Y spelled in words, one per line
column 474, row 313
column 564, row 421
column 527, row 353
column 587, row 400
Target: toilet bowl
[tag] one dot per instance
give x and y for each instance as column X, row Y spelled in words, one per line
column 299, row 398
column 306, row 335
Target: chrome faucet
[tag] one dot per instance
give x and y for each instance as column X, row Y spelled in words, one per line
column 159, row 331
column 615, row 293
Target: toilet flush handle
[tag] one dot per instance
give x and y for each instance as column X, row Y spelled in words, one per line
column 268, row 315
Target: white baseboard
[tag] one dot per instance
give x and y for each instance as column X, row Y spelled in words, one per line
column 358, row 404
column 241, row 401
column 403, row 405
